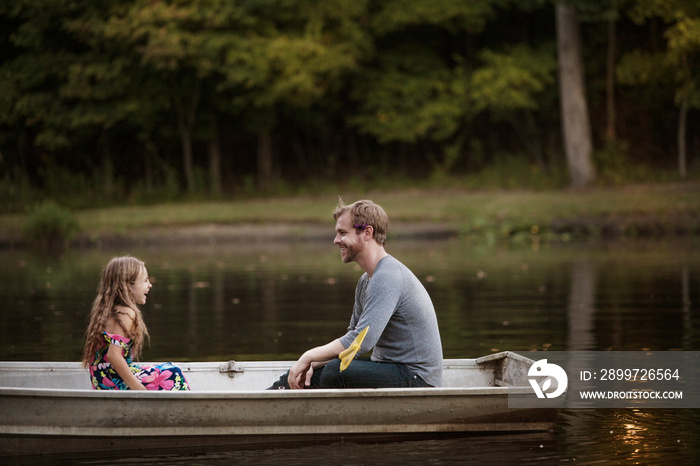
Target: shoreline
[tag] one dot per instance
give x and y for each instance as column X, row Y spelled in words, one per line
column 213, row 233
column 611, row 226
column 629, row 226
column 631, row 212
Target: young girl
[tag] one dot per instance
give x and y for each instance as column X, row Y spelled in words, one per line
column 116, row 333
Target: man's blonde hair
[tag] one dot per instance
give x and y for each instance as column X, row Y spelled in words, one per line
column 363, row 214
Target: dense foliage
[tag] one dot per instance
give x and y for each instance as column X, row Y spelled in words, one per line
column 103, row 100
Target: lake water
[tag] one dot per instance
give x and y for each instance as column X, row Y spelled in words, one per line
column 264, row 301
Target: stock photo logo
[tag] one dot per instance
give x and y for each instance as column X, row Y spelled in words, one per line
column 551, row 373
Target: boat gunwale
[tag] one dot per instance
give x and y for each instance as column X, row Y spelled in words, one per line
column 234, row 366
column 267, row 394
column 250, row 365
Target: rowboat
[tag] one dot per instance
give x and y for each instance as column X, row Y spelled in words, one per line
column 51, row 407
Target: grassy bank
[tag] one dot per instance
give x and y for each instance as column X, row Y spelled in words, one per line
column 637, row 210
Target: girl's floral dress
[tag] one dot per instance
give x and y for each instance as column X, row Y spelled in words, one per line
column 161, row 377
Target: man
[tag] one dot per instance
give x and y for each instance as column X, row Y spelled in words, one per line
column 402, row 328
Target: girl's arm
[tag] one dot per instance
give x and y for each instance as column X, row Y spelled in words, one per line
column 114, row 355
column 125, row 322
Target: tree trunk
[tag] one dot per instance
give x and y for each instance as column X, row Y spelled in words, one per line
column 527, row 131
column 682, row 125
column 610, row 132
column 214, row 157
column 264, row 158
column 148, row 167
column 107, row 165
column 185, row 123
column 572, row 93
column 187, row 157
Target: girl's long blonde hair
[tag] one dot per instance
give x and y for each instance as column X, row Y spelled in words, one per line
column 115, row 290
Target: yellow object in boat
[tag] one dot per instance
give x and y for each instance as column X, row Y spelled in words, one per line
column 349, row 353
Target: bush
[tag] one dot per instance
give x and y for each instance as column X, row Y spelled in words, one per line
column 510, row 171
column 50, row 226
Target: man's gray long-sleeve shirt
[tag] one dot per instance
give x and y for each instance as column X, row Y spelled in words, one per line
column 403, row 327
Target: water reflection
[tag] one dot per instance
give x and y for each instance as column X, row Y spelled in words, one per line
column 653, row 436
column 581, row 306
column 273, row 301
column 527, row 449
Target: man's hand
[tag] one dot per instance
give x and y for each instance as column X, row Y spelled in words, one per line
column 309, row 374
column 300, row 372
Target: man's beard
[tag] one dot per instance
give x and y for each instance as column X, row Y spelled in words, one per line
column 351, row 253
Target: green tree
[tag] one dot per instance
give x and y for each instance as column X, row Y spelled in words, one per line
column 678, row 64
column 428, row 81
column 414, row 95
column 35, row 73
column 510, row 84
column 62, row 85
column 607, row 12
column 141, row 89
column 291, row 54
column 69, row 87
column 179, row 45
column 415, row 90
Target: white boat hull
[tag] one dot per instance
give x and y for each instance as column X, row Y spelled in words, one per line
column 54, row 404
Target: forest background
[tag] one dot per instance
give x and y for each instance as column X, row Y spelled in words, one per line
column 108, row 102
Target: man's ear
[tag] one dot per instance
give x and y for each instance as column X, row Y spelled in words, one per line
column 368, row 232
